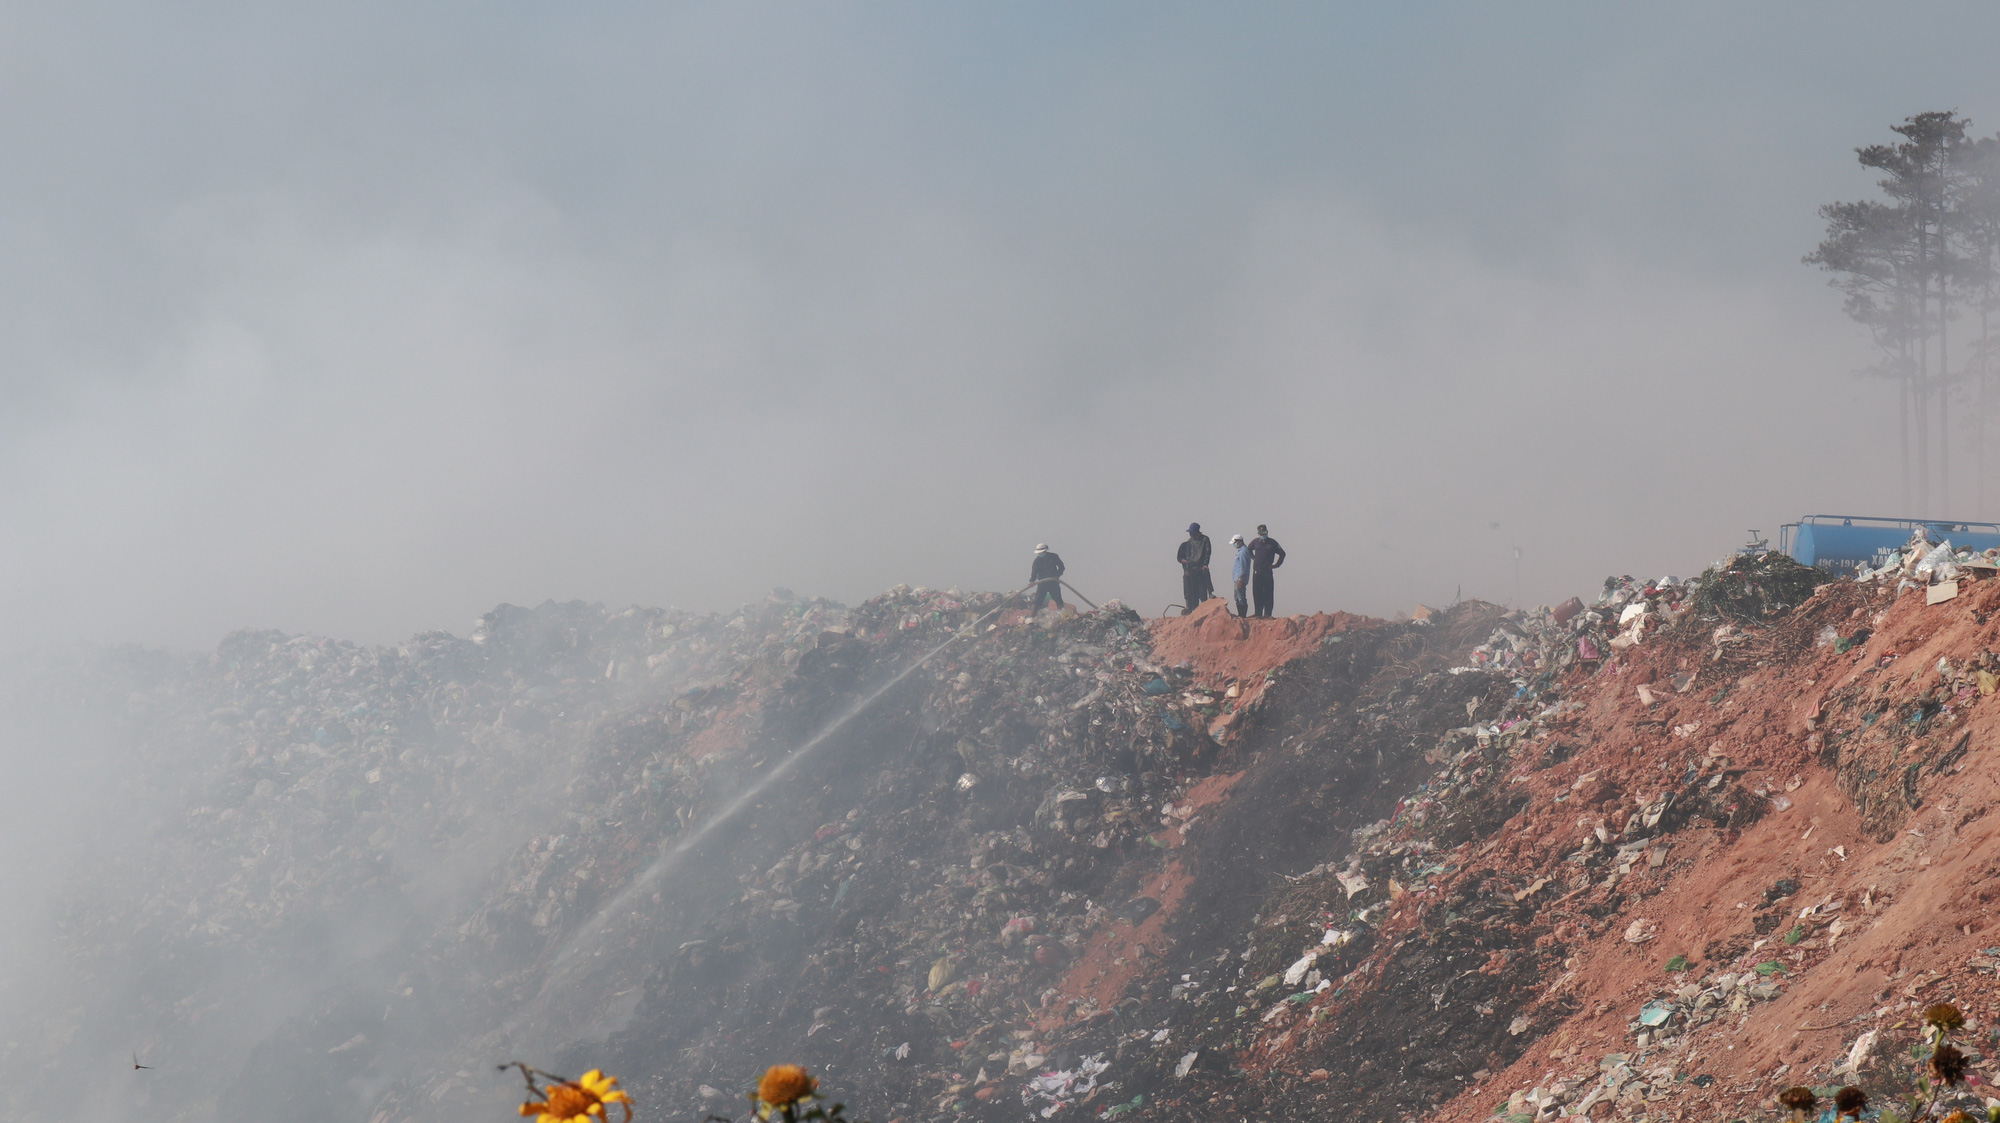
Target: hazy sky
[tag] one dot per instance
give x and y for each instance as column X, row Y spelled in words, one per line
column 362, row 318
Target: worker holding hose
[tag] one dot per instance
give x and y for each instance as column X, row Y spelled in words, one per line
column 1196, row 585
column 1046, row 574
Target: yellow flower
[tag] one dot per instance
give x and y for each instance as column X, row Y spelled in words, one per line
column 579, row 1101
column 783, row 1086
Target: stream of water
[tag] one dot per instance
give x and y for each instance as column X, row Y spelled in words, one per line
column 678, row 847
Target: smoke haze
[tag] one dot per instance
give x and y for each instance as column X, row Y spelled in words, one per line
column 363, row 321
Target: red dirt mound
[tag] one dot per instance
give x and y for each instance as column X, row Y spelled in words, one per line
column 1222, row 647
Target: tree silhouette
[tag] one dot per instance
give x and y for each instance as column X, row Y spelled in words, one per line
column 1902, row 263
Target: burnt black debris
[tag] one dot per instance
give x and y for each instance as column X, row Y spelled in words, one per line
column 1025, row 878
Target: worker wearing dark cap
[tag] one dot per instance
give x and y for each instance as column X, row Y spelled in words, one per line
column 1193, row 556
column 1265, row 556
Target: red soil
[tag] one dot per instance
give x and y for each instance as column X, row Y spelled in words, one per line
column 726, row 731
column 1914, row 909
column 1222, row 647
column 1117, row 951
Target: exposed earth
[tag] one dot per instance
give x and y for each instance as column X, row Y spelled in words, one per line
column 1659, row 857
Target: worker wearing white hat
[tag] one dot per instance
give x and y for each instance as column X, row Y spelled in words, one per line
column 1047, row 576
column 1240, row 573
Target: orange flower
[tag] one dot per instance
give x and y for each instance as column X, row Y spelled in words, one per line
column 579, row 1101
column 784, row 1085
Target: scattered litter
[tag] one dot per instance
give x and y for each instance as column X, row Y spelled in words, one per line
column 1051, row 1092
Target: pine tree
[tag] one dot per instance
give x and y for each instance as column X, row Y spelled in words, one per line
column 1979, row 282
column 1899, row 262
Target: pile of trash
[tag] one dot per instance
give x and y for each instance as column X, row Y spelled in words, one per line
column 1617, row 1083
column 1922, row 564
column 965, row 861
column 307, row 790
column 1537, row 645
column 920, row 916
column 969, row 887
column 1752, row 587
column 1302, row 849
column 1348, row 953
column 964, row 870
column 1417, row 899
column 373, row 758
column 1889, row 752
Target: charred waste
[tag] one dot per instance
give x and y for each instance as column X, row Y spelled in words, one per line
column 1685, row 849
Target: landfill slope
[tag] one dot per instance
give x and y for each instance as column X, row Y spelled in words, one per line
column 367, row 875
column 297, row 829
column 1727, row 837
column 1758, row 848
column 978, row 905
column 1656, row 857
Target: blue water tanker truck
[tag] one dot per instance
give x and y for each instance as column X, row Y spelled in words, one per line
column 1842, row 544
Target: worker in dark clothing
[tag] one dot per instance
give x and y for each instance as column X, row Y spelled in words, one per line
column 1196, row 585
column 1265, row 556
column 1047, row 575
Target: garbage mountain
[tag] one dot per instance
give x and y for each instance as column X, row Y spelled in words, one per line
column 1661, row 856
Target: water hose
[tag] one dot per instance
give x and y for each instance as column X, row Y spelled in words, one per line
column 1079, row 596
column 1004, row 602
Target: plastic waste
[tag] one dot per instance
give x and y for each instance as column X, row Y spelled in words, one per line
column 1296, row 973
column 1937, row 565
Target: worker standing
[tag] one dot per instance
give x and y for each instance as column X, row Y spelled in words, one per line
column 1265, row 556
column 1046, row 574
column 1196, row 584
column 1239, row 572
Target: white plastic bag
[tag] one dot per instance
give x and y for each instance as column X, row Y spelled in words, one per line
column 1938, row 565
